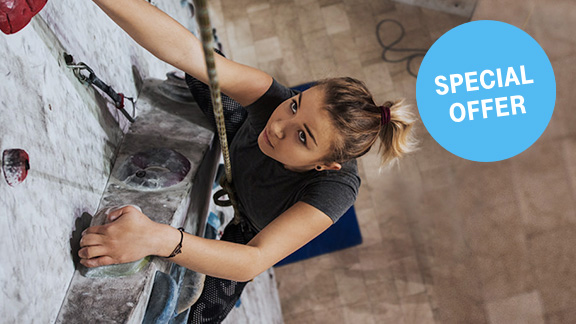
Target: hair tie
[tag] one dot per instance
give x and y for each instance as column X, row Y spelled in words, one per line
column 385, row 110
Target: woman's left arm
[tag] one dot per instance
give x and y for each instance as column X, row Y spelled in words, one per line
column 132, row 235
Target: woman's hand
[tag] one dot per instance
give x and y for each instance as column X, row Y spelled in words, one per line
column 128, row 236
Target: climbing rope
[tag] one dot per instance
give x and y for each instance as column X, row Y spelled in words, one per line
column 208, row 46
column 418, row 52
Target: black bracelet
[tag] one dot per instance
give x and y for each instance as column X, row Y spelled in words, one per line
column 178, row 248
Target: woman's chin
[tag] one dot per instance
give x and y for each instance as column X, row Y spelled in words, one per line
column 261, row 144
column 264, row 147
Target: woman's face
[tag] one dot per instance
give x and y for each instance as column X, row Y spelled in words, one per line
column 299, row 134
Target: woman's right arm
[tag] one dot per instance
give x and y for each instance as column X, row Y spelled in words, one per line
column 172, row 43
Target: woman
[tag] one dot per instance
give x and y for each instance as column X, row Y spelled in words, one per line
column 293, row 161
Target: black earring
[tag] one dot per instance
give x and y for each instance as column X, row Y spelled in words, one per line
column 318, row 168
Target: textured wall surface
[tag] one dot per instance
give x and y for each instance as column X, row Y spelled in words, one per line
column 70, row 132
column 112, row 294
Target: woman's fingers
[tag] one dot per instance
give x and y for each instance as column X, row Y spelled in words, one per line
column 115, row 213
column 90, row 252
column 97, row 262
column 127, row 236
column 91, row 240
column 94, row 230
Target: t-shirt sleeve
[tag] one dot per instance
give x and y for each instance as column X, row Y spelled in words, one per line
column 260, row 111
column 333, row 194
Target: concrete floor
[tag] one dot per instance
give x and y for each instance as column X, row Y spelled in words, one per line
column 446, row 240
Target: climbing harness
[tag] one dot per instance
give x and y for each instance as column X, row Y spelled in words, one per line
column 92, row 79
column 206, row 33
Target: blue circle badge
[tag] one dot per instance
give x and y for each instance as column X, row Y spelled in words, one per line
column 486, row 91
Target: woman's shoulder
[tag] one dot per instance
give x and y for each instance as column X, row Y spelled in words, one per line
column 347, row 175
column 260, row 111
column 274, row 96
column 333, row 192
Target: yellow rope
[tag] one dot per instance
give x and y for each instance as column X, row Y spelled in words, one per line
column 208, row 46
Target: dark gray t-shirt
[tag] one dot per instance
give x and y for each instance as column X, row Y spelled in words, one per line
column 266, row 189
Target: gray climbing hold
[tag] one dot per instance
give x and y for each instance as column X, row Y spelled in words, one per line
column 162, row 301
column 190, row 290
column 116, row 270
column 154, row 169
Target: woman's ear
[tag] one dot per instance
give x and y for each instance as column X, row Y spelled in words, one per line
column 332, row 166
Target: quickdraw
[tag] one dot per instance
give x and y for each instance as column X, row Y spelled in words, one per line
column 81, row 68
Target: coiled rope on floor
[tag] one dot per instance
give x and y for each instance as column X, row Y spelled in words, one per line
column 207, row 39
column 419, row 52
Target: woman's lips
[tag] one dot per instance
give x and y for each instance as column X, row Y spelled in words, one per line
column 266, row 138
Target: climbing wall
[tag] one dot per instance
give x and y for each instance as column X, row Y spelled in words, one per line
column 70, row 133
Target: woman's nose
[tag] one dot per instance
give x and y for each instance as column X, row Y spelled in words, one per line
column 277, row 128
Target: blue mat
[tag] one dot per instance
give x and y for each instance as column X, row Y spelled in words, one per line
column 303, row 87
column 343, row 234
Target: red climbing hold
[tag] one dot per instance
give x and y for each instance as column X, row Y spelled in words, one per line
column 15, row 165
column 16, row 14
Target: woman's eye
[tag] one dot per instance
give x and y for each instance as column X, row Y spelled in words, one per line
column 293, row 106
column 302, row 137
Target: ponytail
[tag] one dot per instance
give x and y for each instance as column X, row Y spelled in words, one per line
column 397, row 136
column 361, row 122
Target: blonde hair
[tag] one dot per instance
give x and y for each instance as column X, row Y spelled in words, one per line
column 360, row 122
column 397, row 137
